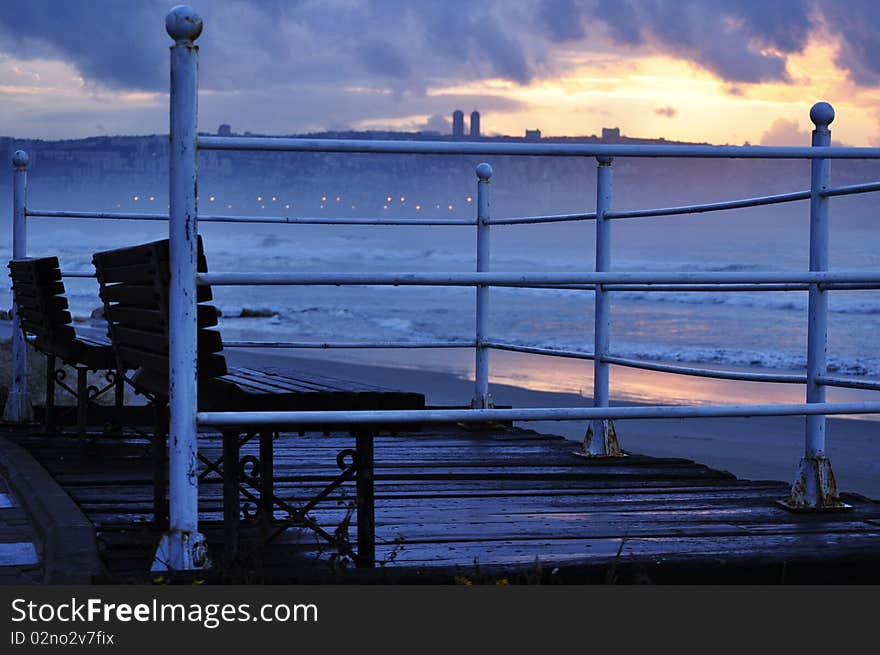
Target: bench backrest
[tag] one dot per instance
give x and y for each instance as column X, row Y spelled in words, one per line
column 38, row 293
column 134, row 289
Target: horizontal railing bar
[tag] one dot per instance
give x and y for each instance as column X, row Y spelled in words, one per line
column 289, row 220
column 656, row 366
column 742, row 376
column 849, row 383
column 349, row 344
column 122, row 216
column 512, row 347
column 78, row 274
column 311, row 220
column 835, row 286
column 711, row 207
column 554, row 218
column 364, row 146
column 851, row 189
column 348, row 417
column 531, row 279
column 703, row 288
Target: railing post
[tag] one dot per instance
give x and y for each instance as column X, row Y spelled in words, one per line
column 814, row 487
column 601, row 437
column 482, row 399
column 183, row 547
column 18, row 407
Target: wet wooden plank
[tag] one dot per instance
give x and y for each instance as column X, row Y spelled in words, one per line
column 446, row 497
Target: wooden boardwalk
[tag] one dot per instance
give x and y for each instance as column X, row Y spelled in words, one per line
column 501, row 505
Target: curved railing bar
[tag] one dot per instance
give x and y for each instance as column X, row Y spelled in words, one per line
column 554, row 218
column 741, row 376
column 58, row 213
column 290, row 220
column 707, row 288
column 522, row 220
column 531, row 414
column 849, row 383
column 867, row 187
column 711, row 207
column 703, row 288
column 530, row 279
column 281, row 144
column 349, row 344
column 534, row 350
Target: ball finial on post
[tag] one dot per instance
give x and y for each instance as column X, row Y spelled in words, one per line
column 20, row 159
column 822, row 114
column 183, row 24
column 484, row 171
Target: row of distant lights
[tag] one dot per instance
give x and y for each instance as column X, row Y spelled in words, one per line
column 388, row 201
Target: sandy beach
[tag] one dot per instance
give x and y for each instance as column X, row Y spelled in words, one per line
column 766, row 448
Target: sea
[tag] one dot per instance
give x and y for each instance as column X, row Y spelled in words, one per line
column 756, row 331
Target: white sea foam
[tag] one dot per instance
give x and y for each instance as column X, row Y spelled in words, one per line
column 738, row 329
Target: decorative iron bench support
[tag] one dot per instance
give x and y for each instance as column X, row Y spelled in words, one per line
column 253, row 479
column 83, row 394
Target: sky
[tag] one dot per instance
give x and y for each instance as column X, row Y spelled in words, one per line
column 718, row 71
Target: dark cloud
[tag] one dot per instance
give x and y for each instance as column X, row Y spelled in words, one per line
column 120, row 44
column 384, row 59
column 116, row 44
column 741, row 41
column 400, row 49
column 556, row 18
column 668, row 112
column 856, row 24
column 625, row 23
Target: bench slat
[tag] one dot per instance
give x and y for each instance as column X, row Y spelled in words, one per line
column 33, row 263
column 145, row 297
column 38, row 290
column 210, row 366
column 143, row 273
column 35, row 276
column 157, row 342
column 46, row 318
column 153, row 319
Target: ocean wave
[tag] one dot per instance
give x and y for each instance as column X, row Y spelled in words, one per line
column 793, row 301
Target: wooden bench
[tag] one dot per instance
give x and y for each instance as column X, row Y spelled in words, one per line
column 134, row 286
column 39, row 295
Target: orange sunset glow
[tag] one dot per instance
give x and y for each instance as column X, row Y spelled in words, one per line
column 573, row 87
column 651, row 95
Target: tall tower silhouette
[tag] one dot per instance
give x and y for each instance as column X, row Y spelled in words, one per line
column 458, row 123
column 475, row 123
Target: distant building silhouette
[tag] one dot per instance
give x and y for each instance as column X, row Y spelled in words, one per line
column 533, row 135
column 611, row 134
column 475, row 123
column 224, row 130
column 458, row 123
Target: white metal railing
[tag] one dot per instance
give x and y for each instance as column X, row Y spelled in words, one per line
column 813, row 488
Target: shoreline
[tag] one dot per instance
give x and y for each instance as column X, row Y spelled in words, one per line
column 760, row 448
